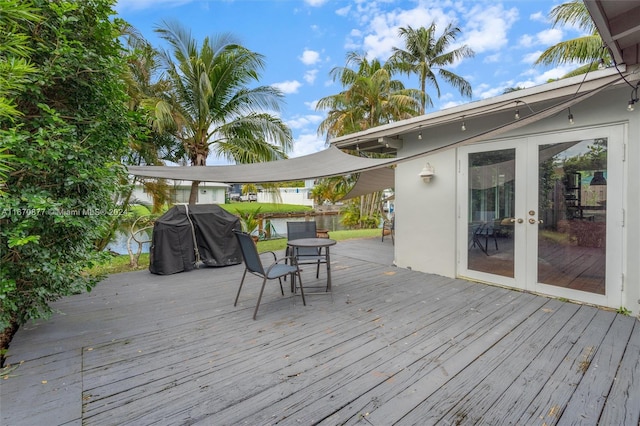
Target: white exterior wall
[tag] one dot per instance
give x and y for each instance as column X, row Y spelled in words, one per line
column 424, row 222
column 426, row 213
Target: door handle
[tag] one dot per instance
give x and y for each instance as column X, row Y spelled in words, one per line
column 533, row 221
column 513, row 220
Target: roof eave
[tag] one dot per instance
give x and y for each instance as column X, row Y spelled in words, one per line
column 545, row 92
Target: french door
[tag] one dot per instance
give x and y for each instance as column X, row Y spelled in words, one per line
column 544, row 214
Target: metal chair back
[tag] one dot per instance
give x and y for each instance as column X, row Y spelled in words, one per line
column 253, row 264
column 249, row 250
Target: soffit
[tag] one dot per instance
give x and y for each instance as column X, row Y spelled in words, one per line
column 618, row 23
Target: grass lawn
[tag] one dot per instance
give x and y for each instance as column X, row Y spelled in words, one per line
column 121, row 263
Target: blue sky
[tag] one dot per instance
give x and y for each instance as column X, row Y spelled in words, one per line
column 302, row 40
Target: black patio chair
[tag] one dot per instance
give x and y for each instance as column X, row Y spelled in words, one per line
column 253, row 264
column 305, row 255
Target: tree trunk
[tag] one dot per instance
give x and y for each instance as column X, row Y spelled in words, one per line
column 193, row 195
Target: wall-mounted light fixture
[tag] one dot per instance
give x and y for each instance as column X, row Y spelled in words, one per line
column 427, row 173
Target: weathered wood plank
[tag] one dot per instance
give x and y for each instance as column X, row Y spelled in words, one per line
column 437, row 355
column 477, row 394
column 392, row 345
column 311, row 337
column 516, row 398
column 548, row 404
column 623, row 402
column 588, row 399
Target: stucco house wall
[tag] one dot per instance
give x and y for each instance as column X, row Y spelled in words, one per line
column 427, row 213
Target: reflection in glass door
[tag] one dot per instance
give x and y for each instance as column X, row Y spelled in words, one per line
column 572, row 213
column 491, row 205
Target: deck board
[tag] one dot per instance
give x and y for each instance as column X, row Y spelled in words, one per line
column 393, row 346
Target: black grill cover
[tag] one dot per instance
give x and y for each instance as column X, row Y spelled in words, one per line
column 173, row 248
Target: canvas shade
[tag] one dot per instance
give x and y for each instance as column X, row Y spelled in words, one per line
column 333, row 162
column 327, row 163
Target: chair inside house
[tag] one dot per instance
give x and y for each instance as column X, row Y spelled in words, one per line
column 305, row 255
column 481, row 231
column 253, row 264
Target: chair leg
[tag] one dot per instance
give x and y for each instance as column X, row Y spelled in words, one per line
column 255, row 313
column 280, row 281
column 304, row 302
column 240, row 288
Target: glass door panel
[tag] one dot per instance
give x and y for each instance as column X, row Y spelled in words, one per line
column 491, row 205
column 572, row 213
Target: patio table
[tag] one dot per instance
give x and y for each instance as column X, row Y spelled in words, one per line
column 319, row 243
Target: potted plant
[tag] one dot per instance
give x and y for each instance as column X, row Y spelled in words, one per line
column 250, row 220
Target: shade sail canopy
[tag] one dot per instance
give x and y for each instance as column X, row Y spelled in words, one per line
column 327, row 163
column 372, row 181
column 375, row 174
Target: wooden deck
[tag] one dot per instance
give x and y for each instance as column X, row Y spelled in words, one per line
column 394, row 346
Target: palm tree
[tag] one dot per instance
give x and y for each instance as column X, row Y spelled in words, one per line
column 427, row 56
column 586, row 49
column 211, row 106
column 371, row 98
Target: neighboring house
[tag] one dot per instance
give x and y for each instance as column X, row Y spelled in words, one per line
column 208, row 192
column 295, row 195
column 536, row 190
column 299, row 195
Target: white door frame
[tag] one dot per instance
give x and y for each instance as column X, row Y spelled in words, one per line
column 526, row 234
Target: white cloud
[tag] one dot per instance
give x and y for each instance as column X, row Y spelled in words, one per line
column 538, row 17
column 343, row 11
column 532, row 57
column 304, row 121
column 310, row 76
column 311, row 105
column 487, row 27
column 288, row 86
column 307, row 143
column 554, row 74
column 315, row 3
column 544, row 38
column 550, row 37
column 309, row 57
column 490, row 59
column 526, row 40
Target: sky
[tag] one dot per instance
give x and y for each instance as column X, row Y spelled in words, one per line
column 303, row 40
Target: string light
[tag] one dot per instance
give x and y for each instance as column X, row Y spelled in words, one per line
column 634, row 99
column 517, row 114
column 463, row 127
column 570, row 117
column 420, row 136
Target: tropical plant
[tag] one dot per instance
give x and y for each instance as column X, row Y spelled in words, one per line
column 149, row 142
column 15, row 69
column 211, row 106
column 250, row 220
column 426, row 56
column 371, row 97
column 587, row 49
column 67, row 145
